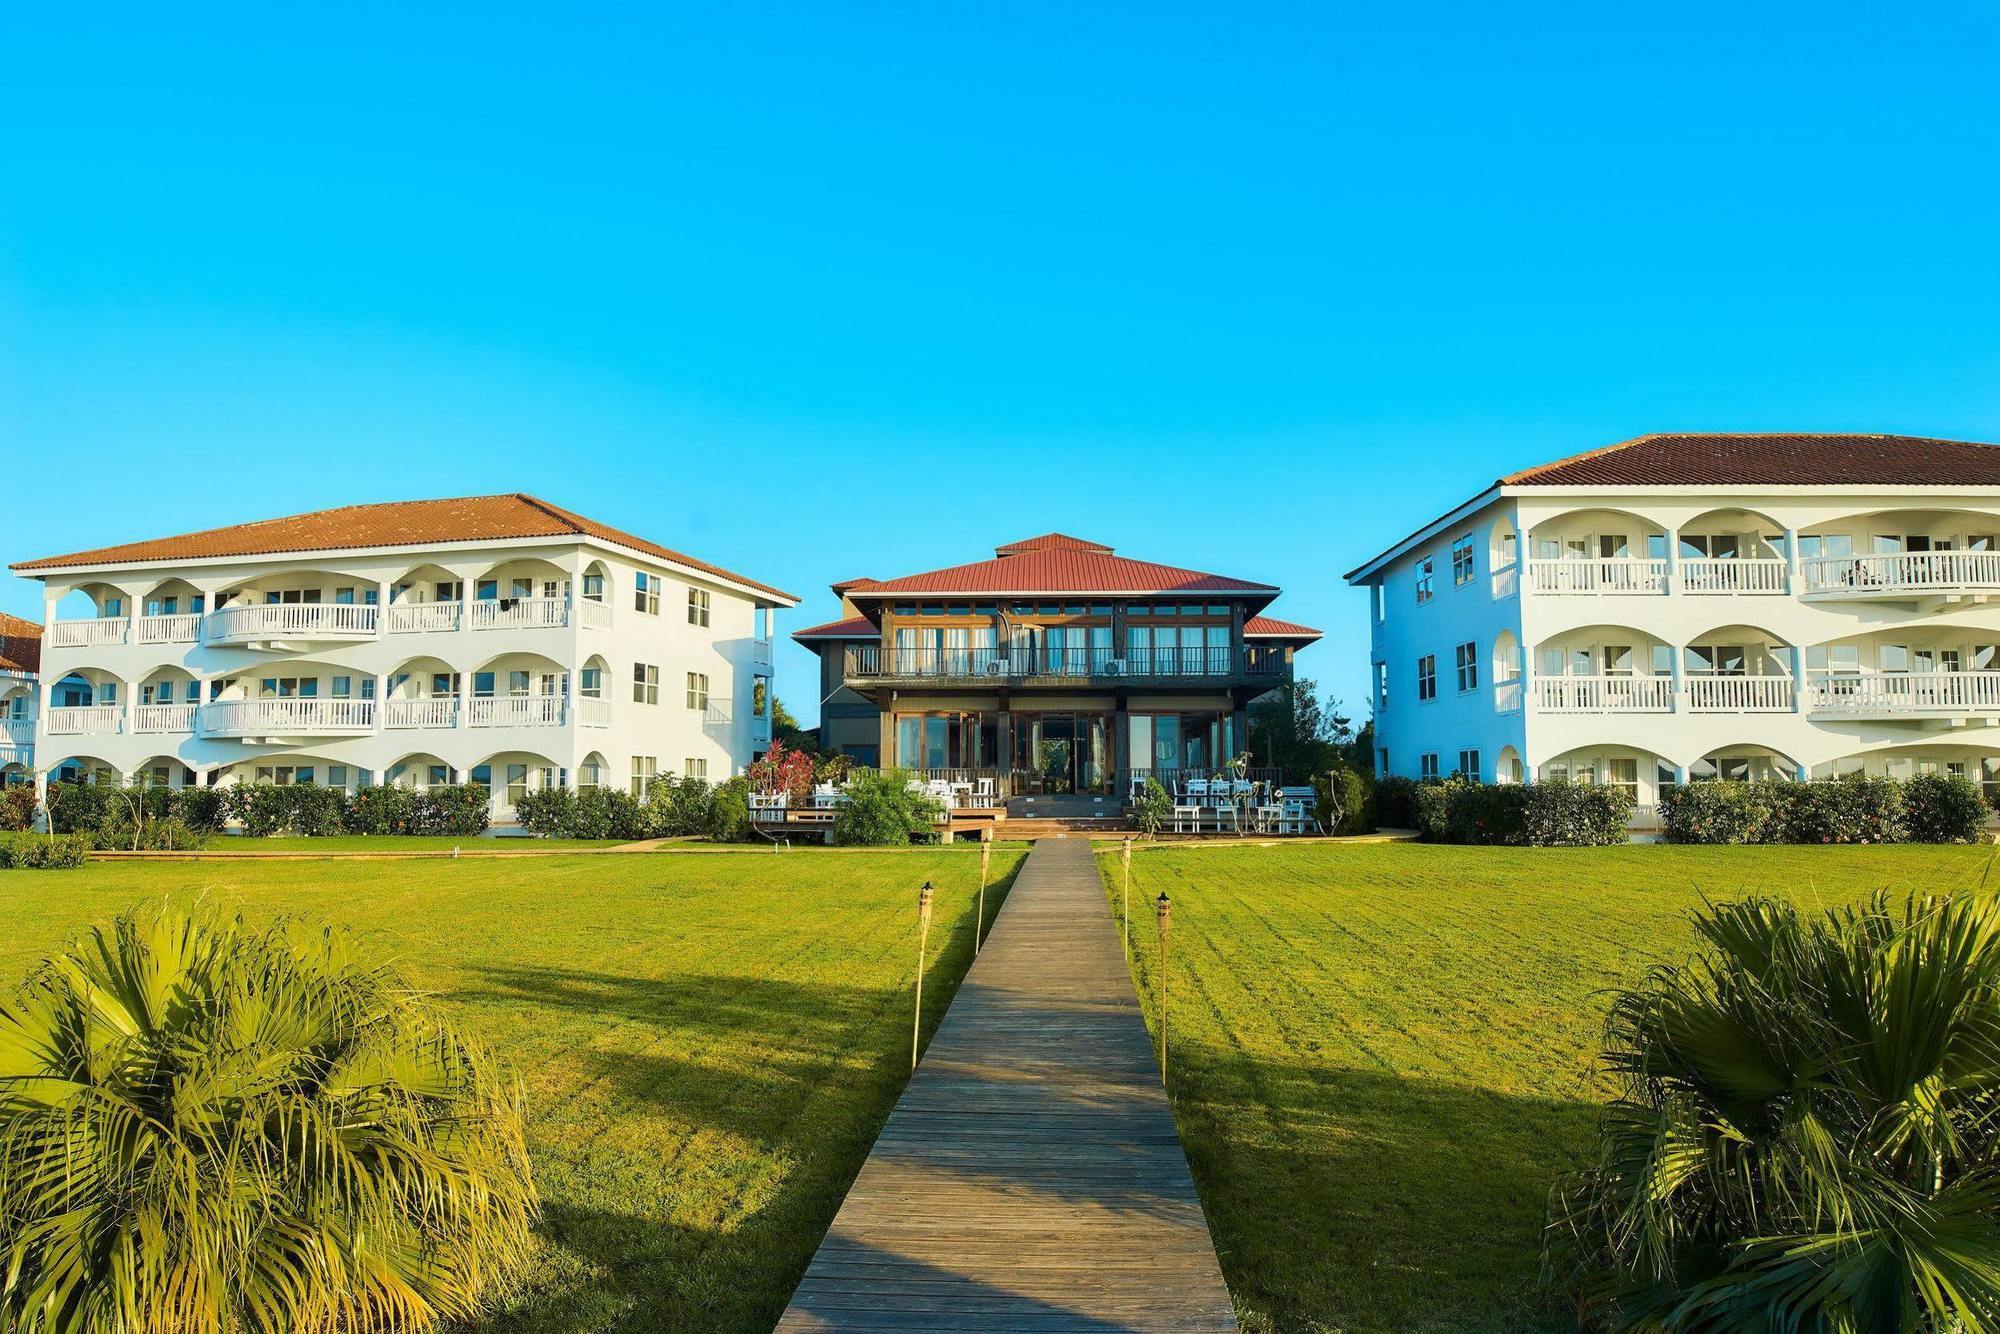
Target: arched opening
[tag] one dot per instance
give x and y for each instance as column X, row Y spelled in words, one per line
column 422, row 692
column 1640, row 774
column 169, row 771
column 425, row 598
column 1507, row 673
column 597, row 583
column 518, row 690
column 1598, row 551
column 87, row 701
column 1748, row 763
column 168, row 697
column 1503, row 557
column 593, row 692
column 1732, row 551
column 170, row 613
column 593, row 772
column 1604, row 669
column 85, row 769
column 1931, row 669
column 1901, row 554
column 15, row 774
column 419, row 772
column 89, row 616
column 1507, row 766
column 521, row 594
column 508, row 776
column 1739, row 669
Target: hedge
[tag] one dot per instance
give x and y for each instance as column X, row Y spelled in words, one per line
column 1930, row 808
column 43, row 852
column 182, row 817
column 674, row 808
column 1552, row 814
column 17, row 809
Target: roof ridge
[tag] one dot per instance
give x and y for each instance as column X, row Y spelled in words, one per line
column 1511, row 478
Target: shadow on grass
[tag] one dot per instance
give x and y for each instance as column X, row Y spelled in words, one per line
column 1360, row 1200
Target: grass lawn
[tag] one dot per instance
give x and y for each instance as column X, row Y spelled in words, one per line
column 1382, row 1056
column 401, row 843
column 709, row 1043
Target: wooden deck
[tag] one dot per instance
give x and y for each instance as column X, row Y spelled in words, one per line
column 1031, row 1177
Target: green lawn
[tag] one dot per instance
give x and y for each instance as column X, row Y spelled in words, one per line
column 1382, row 1054
column 709, row 1043
column 401, row 843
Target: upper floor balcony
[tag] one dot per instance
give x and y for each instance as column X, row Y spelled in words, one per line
column 287, row 717
column 1900, row 576
column 1891, row 695
column 290, row 622
column 868, row 665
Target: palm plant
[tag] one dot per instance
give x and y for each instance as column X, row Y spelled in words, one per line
column 207, row 1128
column 1805, row 1136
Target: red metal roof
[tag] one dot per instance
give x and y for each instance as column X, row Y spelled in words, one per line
column 855, row 627
column 1269, row 627
column 20, row 644
column 1779, row 459
column 396, row 524
column 1050, row 542
column 1057, row 564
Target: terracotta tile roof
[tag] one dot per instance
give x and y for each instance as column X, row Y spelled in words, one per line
column 413, row 523
column 1057, row 564
column 848, row 585
column 1050, row 542
column 856, row 627
column 1269, row 627
column 20, row 644
column 1772, row 459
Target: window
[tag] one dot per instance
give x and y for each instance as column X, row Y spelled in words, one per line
column 1382, row 761
column 1427, row 764
column 1461, row 561
column 697, row 691
column 645, row 683
column 1468, row 764
column 1468, row 667
column 440, row 775
column 1381, row 686
column 645, row 770
column 1426, row 578
column 518, row 683
column 646, row 594
column 488, row 590
column 482, row 685
column 760, row 696
column 443, row 684
column 1427, row 677
column 482, row 778
column 694, row 768
column 1826, row 544
column 590, row 683
column 589, row 774
column 593, row 591
column 343, row 687
column 1380, row 596
column 518, row 587
column 698, row 607
column 517, row 784
column 113, row 607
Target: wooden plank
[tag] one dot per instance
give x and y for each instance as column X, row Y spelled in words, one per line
column 1031, row 1177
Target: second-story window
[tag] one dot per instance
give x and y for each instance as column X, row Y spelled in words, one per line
column 645, row 683
column 697, row 691
column 698, row 607
column 646, row 594
column 593, row 590
column 1468, row 667
column 590, row 683
column 1427, row 676
column 1461, row 561
column 1426, row 578
column 1381, row 686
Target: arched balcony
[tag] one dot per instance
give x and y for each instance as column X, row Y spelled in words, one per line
column 1603, row 669
column 508, row 776
column 1906, row 555
column 91, row 616
column 521, row 595
column 1732, row 551
column 283, row 611
column 297, row 699
column 171, row 612
column 593, row 603
column 1739, row 669
column 1958, row 758
column 167, row 702
column 1600, row 551
column 418, row 772
column 86, row 701
column 427, row 599
column 422, row 692
column 17, row 719
column 1507, row 673
column 1639, row 774
column 593, row 692
column 1747, row 763
column 1935, row 672
column 519, row 690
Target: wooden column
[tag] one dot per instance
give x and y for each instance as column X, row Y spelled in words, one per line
column 886, row 756
column 1004, row 742
column 1121, row 731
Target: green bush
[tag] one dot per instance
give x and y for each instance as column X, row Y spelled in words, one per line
column 729, row 811
column 382, row 810
column 1484, row 812
column 1801, row 1135
column 80, row 808
column 1395, row 802
column 1940, row 808
column 1152, row 808
column 17, row 809
column 457, row 809
column 882, row 811
column 1430, row 806
column 1356, row 791
column 1854, row 809
column 300, row 809
column 43, row 852
column 1557, row 813
column 1712, row 812
column 208, row 1128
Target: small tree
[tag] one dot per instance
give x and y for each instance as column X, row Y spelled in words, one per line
column 1152, row 808
column 784, row 769
column 882, row 810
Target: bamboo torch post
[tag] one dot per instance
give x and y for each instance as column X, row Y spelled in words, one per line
column 1162, row 908
column 1125, row 907
column 979, row 922
column 923, row 935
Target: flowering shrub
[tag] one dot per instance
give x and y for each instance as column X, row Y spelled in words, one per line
column 1939, row 808
column 784, row 769
column 1723, row 812
column 17, row 809
column 1847, row 810
column 1561, row 814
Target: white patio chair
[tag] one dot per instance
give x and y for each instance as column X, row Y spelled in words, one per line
column 1187, row 819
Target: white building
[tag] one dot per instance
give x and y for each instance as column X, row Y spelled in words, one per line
column 494, row 639
column 20, row 656
column 1700, row 606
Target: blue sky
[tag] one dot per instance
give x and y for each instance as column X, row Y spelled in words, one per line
column 823, row 291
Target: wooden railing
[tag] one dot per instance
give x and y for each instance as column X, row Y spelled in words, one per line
column 1878, row 693
column 84, row 720
column 1610, row 575
column 520, row 614
column 179, row 628
column 1912, row 573
column 1604, row 694
column 976, row 664
column 407, row 618
column 516, row 711
column 290, row 620
column 94, row 632
column 163, row 718
column 1705, row 574
column 286, row 717
column 1739, row 694
column 431, row 711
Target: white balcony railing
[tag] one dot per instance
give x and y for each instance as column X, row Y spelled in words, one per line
column 1507, row 696
column 520, row 614
column 17, row 731
column 435, row 711
column 593, row 615
column 290, row 620
column 179, row 628
column 1909, row 574
column 1604, row 694
column 163, row 718
column 1506, row 581
column 94, row 632
column 517, row 711
column 1614, row 575
column 1892, row 694
column 85, row 720
column 410, row 618
column 760, row 653
column 1705, row 574
column 1739, row 694
column 593, row 712
column 287, row 717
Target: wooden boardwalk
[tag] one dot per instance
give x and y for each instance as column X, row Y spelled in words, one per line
column 1030, row 1178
